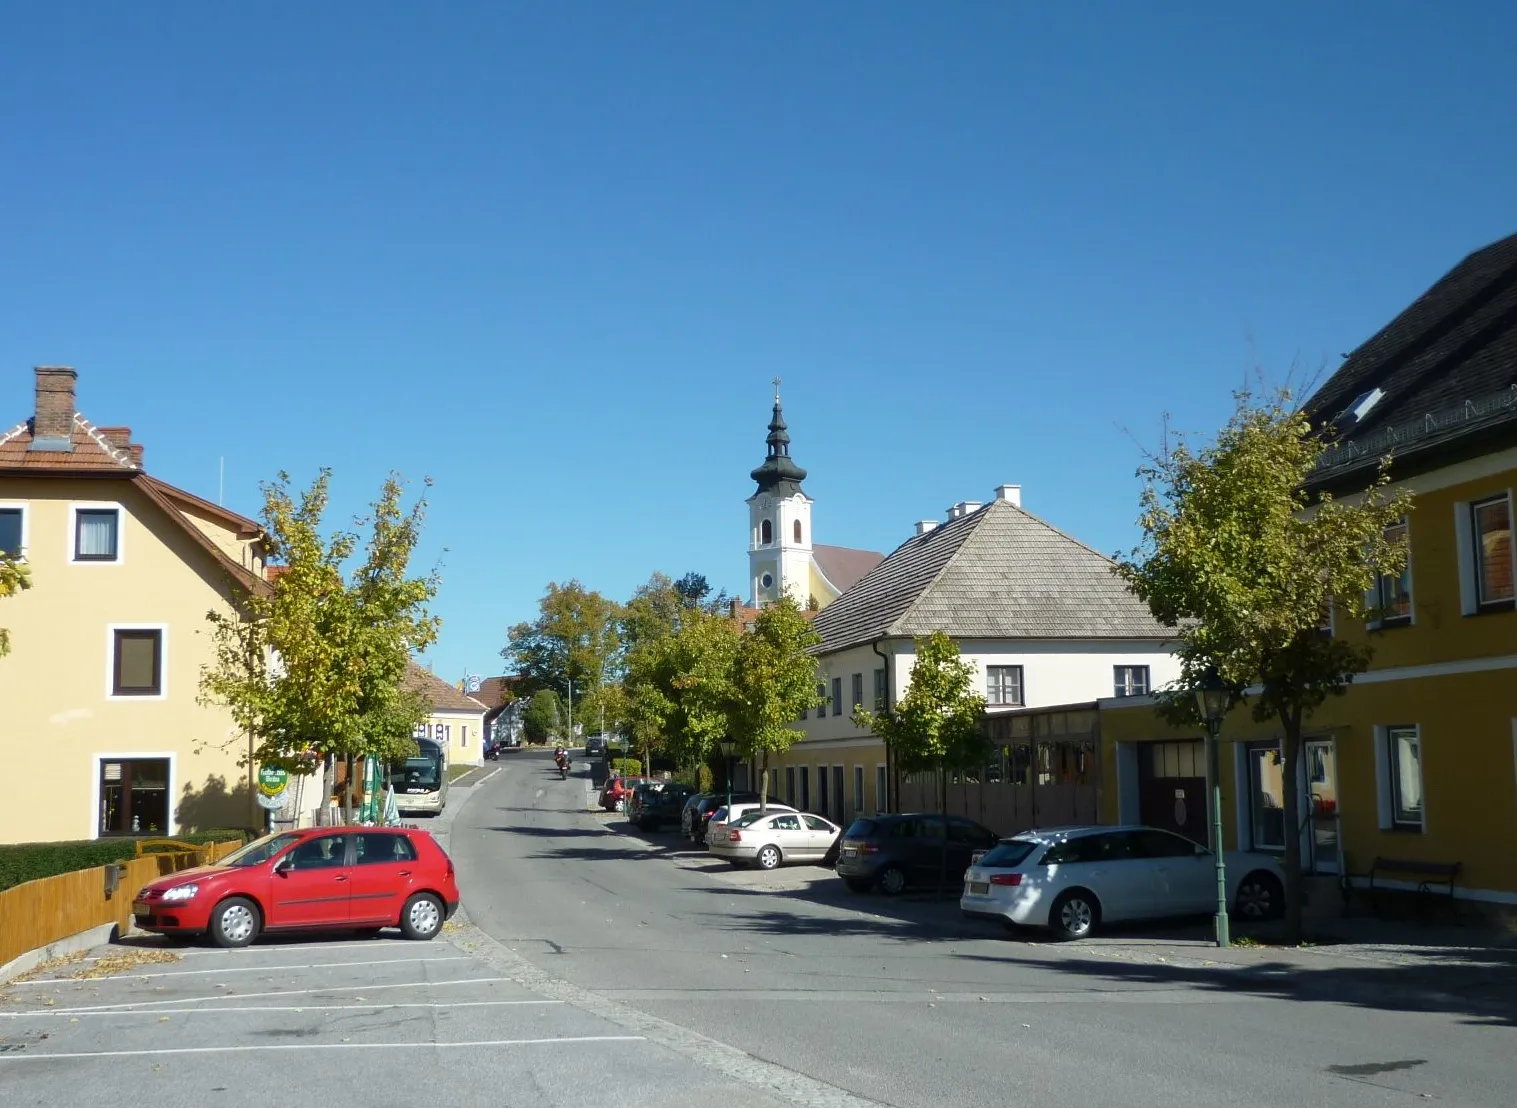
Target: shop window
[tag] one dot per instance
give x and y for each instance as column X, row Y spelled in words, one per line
column 134, row 796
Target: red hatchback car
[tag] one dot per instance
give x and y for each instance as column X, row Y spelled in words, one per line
column 322, row 878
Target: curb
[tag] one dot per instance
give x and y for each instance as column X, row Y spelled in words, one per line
column 61, row 948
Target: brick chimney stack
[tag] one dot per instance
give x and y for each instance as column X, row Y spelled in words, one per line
column 53, row 424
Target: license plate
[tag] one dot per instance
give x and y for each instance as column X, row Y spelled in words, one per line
column 850, row 853
column 140, row 908
column 416, row 792
column 979, row 888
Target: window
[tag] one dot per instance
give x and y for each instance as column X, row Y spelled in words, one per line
column 837, row 696
column 379, row 847
column 858, row 690
column 879, row 690
column 97, row 534
column 766, row 533
column 858, row 789
column 12, row 542
column 786, row 823
column 1003, row 684
column 790, row 785
column 821, row 788
column 797, row 530
column 881, row 790
column 326, row 852
column 1492, row 525
column 1162, row 844
column 803, row 798
column 137, row 663
column 1393, row 595
column 838, row 799
column 1266, row 780
column 134, row 796
column 463, row 734
column 817, row 823
column 821, row 696
column 1131, row 680
column 1405, row 758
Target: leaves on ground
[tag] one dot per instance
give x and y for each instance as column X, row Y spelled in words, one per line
column 109, row 965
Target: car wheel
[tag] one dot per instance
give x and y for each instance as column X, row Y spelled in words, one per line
column 854, row 885
column 1074, row 915
column 421, row 918
column 768, row 857
column 893, row 881
column 1260, row 896
column 235, row 922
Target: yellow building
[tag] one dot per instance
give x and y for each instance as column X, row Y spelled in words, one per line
column 455, row 721
column 102, row 732
column 1418, row 760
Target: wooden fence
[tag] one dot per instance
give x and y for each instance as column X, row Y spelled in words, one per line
column 36, row 913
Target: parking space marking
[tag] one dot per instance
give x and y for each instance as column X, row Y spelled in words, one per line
column 248, row 951
column 265, row 1048
column 281, row 1008
column 128, row 975
column 286, row 992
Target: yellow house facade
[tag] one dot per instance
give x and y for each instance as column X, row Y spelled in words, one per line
column 1418, row 759
column 456, row 722
column 103, row 735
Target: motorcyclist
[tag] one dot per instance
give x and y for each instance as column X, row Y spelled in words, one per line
column 560, row 756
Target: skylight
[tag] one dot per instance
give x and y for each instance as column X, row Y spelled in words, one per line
column 1361, row 406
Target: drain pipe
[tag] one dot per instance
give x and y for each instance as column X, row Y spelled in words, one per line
column 892, row 777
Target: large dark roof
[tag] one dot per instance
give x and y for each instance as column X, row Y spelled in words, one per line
column 843, row 565
column 997, row 573
column 1446, row 368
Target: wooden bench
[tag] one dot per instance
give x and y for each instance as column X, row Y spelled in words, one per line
column 1434, row 882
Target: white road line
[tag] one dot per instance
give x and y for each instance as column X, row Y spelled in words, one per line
column 316, row 1046
column 438, row 1004
column 280, row 992
column 130, row 975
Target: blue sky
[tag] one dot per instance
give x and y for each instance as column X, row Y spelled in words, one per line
column 551, row 255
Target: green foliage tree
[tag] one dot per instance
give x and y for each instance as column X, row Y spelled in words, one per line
column 544, row 717
column 316, row 665
column 576, row 639
column 938, row 724
column 774, row 682
column 14, row 577
column 1244, row 562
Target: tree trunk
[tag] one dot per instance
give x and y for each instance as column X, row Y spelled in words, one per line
column 348, row 791
column 1290, row 753
column 943, row 814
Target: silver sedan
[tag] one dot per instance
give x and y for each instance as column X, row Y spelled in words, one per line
column 770, row 839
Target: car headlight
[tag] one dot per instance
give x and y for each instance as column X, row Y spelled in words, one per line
column 181, row 892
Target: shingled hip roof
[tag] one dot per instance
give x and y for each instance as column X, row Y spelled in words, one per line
column 997, row 573
column 442, row 696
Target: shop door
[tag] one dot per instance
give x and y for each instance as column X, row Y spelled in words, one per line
column 1172, row 788
column 1321, row 779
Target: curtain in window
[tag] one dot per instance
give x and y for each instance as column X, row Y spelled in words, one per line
column 97, row 534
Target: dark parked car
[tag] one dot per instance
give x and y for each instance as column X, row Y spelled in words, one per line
column 595, row 746
column 698, row 809
column 653, row 806
column 896, row 851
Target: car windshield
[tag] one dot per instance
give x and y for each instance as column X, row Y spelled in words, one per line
column 1012, row 852
column 417, row 773
column 720, row 815
column 259, row 850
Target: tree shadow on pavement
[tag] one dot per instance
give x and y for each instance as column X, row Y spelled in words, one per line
column 780, row 912
column 1478, row 985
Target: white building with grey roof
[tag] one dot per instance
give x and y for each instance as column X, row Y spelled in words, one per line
column 1039, row 614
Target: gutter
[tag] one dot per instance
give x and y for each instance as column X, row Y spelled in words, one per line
column 892, row 772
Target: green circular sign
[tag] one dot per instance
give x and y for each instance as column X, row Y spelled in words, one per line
column 272, row 780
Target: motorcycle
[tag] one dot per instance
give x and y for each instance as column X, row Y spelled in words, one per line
column 563, row 767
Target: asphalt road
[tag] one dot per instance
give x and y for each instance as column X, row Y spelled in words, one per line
column 832, row 998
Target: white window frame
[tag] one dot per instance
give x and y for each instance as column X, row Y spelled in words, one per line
column 1148, row 678
column 1475, row 552
column 163, row 664
column 26, row 524
column 1385, row 778
column 1021, row 701
column 97, row 760
column 857, row 685
column 71, row 546
column 1377, row 594
column 837, row 696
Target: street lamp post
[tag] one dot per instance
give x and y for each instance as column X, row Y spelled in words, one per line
column 729, row 748
column 1212, row 700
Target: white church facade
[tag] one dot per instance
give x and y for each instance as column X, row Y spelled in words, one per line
column 782, row 558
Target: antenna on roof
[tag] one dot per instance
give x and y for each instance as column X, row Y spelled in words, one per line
column 221, row 481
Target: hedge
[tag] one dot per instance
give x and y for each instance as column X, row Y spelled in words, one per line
column 626, row 767
column 31, row 861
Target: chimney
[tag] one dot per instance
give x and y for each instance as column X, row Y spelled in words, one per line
column 953, row 512
column 119, row 437
column 923, row 526
column 1012, row 494
column 53, row 424
column 969, row 506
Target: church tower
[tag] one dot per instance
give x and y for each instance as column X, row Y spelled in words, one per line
column 779, row 522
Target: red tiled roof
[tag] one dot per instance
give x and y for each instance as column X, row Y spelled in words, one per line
column 93, row 451
column 496, row 692
column 842, row 565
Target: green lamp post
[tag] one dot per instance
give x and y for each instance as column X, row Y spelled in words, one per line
column 1212, row 696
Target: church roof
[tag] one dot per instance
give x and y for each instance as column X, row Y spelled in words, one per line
column 778, row 475
column 996, row 573
column 843, row 566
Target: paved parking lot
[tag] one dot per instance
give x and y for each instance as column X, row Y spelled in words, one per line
column 374, row 1021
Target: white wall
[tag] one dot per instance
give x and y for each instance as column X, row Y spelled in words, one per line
column 1053, row 673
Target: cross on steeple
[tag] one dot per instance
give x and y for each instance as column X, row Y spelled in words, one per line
column 776, row 390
